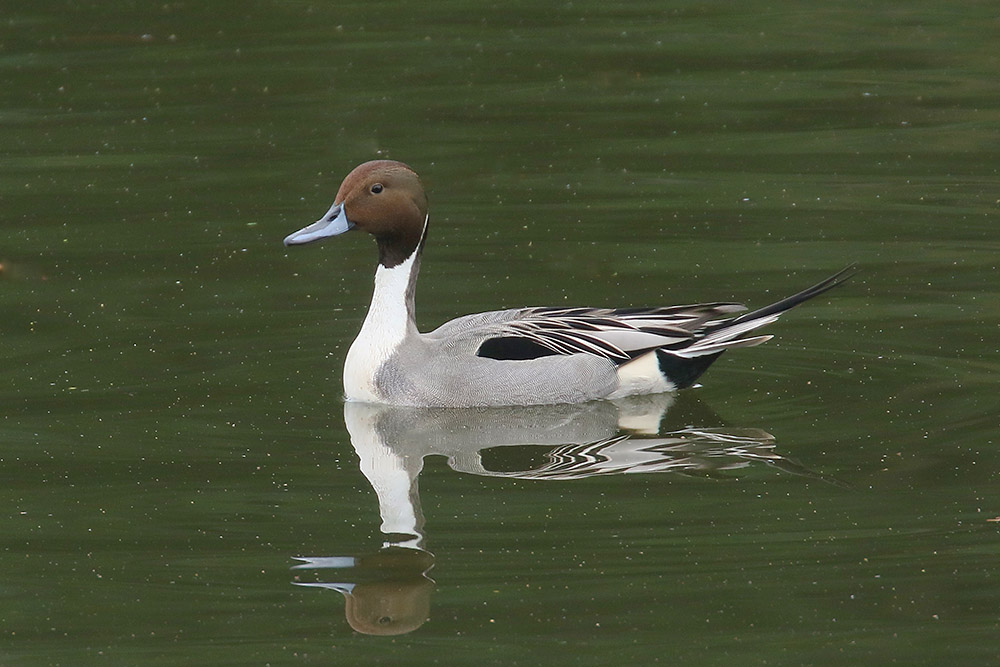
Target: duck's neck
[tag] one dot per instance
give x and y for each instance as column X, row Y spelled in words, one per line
column 392, row 308
column 392, row 311
column 389, row 321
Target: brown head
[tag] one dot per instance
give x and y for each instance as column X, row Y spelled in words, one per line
column 381, row 197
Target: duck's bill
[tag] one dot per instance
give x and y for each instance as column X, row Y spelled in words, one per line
column 333, row 223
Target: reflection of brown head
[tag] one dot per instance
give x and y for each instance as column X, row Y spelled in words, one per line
column 389, row 607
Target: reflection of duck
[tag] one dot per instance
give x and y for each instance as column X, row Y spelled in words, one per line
column 389, row 592
column 523, row 356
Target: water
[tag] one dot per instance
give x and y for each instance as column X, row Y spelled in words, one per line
column 172, row 438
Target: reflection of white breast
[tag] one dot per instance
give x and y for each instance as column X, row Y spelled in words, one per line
column 392, row 482
column 392, row 475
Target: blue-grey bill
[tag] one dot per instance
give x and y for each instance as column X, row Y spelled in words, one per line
column 333, row 223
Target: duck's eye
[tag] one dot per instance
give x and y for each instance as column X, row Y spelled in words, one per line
column 377, row 188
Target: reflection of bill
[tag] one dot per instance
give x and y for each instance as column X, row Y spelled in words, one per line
column 389, row 592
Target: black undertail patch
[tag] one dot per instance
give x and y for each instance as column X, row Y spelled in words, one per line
column 682, row 371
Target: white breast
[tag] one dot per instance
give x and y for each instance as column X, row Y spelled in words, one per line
column 384, row 329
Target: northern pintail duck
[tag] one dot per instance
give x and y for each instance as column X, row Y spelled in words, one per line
column 521, row 356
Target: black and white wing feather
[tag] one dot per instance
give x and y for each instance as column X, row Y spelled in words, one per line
column 619, row 335
column 623, row 334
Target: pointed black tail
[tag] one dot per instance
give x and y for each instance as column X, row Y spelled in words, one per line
column 787, row 303
column 683, row 371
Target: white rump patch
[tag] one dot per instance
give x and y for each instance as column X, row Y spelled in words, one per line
column 641, row 376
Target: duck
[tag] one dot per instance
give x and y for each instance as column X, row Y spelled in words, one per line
column 517, row 356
